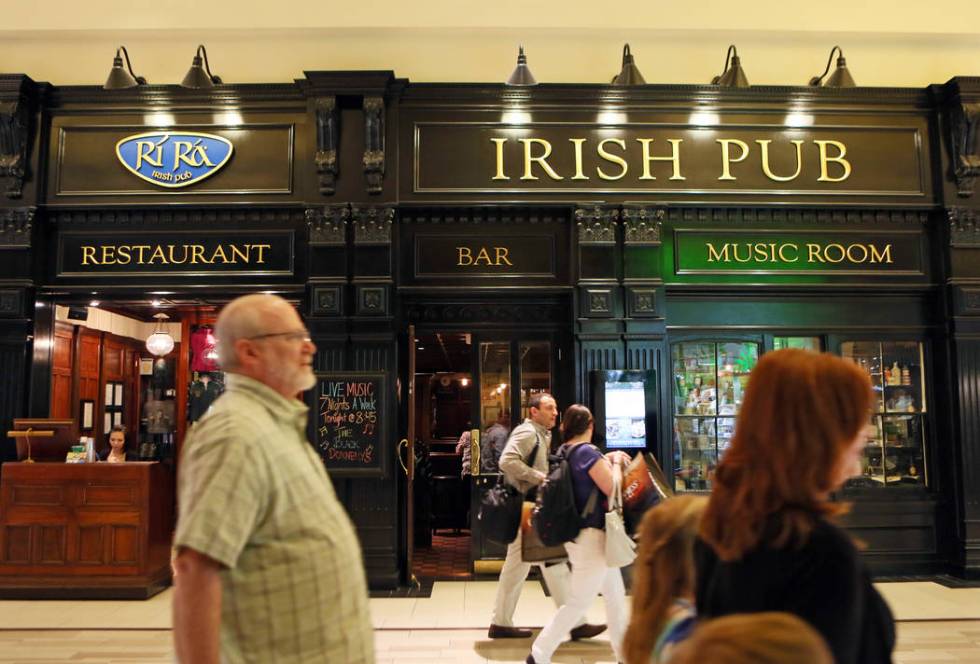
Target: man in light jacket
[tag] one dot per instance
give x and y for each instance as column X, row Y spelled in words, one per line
column 525, row 473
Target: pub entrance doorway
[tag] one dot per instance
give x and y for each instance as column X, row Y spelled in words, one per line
column 470, row 388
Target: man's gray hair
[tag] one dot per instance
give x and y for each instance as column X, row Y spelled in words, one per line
column 241, row 318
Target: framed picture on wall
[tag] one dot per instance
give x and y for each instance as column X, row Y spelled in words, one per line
column 107, row 422
column 108, row 395
column 117, row 418
column 146, row 366
column 118, row 396
column 87, row 414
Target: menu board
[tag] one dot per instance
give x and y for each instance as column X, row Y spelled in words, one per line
column 350, row 426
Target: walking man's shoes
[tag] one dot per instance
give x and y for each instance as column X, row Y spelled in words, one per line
column 585, row 631
column 502, row 632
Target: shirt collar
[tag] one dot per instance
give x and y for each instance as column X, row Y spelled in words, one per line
column 537, row 427
column 281, row 408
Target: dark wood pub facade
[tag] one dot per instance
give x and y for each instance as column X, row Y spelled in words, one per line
column 683, row 230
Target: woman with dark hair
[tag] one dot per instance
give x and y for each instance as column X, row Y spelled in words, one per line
column 767, row 542
column 116, row 452
column 592, row 476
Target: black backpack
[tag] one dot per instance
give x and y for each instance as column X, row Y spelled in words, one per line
column 555, row 517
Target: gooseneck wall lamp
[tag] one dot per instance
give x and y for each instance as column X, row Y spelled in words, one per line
column 199, row 76
column 629, row 74
column 733, row 76
column 841, row 78
column 121, row 77
column 522, row 75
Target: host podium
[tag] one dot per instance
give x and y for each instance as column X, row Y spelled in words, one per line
column 85, row 531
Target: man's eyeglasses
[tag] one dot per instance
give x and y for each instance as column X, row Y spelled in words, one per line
column 303, row 336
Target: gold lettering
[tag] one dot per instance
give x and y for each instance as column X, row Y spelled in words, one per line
column 141, row 248
column 839, row 159
column 88, row 253
column 482, row 257
column 502, row 256
column 108, row 255
column 158, row 253
column 864, row 255
column 726, row 158
column 839, row 248
column 748, row 253
column 717, row 256
column 579, row 173
column 173, row 260
column 764, row 145
column 123, row 252
column 194, row 155
column 464, row 256
column 783, row 248
column 540, row 160
column 197, row 254
column 144, row 150
column 261, row 248
column 219, row 250
column 499, row 143
column 813, row 253
column 612, row 158
column 881, row 256
column 761, row 252
column 675, row 158
column 236, row 253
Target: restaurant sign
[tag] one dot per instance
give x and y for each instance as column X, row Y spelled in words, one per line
column 801, row 252
column 192, row 253
column 174, row 159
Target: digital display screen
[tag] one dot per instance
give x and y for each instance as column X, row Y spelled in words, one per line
column 626, row 415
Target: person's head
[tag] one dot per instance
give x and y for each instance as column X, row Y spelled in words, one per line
column 117, row 437
column 753, row 638
column 503, row 418
column 543, row 409
column 577, row 421
column 262, row 337
column 799, row 436
column 663, row 571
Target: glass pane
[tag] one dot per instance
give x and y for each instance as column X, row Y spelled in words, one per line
column 735, row 362
column 867, row 355
column 535, row 371
column 872, row 469
column 694, row 378
column 726, row 429
column 695, row 454
column 903, row 380
column 804, row 343
column 494, row 381
column 903, row 449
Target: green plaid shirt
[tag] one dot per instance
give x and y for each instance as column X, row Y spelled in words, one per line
column 255, row 497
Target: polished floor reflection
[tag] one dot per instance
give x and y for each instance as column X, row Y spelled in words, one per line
column 937, row 626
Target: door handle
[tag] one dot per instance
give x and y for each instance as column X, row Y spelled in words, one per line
column 398, row 453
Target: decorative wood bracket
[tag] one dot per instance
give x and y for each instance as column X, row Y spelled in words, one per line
column 374, row 143
column 965, row 127
column 14, row 141
column 642, row 224
column 372, row 225
column 596, row 224
column 328, row 225
column 16, row 225
column 327, row 143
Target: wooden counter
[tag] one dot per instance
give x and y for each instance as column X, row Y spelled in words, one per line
column 92, row 531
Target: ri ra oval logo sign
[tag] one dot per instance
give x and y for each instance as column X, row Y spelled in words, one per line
column 174, row 159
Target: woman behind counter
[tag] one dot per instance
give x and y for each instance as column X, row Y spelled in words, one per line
column 116, row 452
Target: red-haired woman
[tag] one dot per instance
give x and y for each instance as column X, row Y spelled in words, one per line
column 767, row 542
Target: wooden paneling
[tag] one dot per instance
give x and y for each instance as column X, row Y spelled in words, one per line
column 91, row 544
column 62, row 361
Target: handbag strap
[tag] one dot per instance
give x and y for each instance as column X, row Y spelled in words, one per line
column 593, row 499
column 616, row 496
column 534, row 453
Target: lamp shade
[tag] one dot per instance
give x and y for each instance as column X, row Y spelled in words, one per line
column 629, row 74
column 522, row 75
column 122, row 77
column 160, row 342
column 733, row 76
column 199, row 76
column 840, row 78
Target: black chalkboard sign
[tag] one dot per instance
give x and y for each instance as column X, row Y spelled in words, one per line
column 350, row 427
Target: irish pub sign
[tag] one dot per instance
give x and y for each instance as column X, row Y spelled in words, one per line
column 174, row 159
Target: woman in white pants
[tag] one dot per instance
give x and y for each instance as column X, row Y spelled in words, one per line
column 591, row 472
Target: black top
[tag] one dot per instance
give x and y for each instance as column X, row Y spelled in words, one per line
column 823, row 582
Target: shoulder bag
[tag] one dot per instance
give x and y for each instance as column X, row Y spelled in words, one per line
column 620, row 547
column 500, row 507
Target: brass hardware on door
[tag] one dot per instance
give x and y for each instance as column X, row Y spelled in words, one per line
column 398, row 453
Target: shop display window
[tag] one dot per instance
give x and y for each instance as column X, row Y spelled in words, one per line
column 708, row 385
column 895, row 454
column 803, row 343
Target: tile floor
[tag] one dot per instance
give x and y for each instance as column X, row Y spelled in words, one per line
column 448, row 557
column 937, row 626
